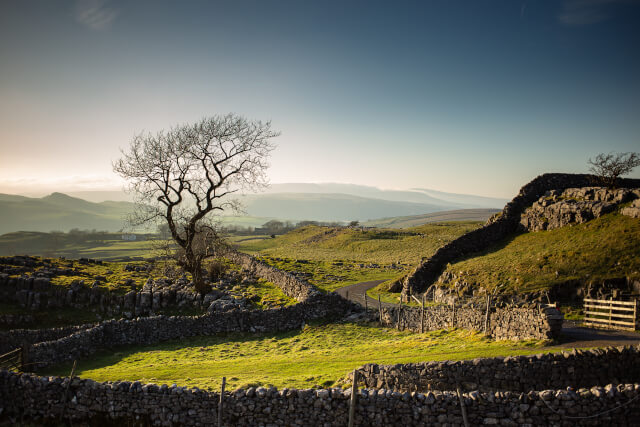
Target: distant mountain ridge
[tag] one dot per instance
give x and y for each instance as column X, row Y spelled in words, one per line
column 415, row 195
column 330, row 206
column 107, row 210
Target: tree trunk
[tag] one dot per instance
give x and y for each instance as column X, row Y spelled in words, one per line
column 198, row 280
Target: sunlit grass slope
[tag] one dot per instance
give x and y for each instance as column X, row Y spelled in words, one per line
column 316, row 356
column 334, row 257
column 374, row 246
column 602, row 248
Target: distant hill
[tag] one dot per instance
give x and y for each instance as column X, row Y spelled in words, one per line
column 466, row 199
column 106, row 210
column 443, row 216
column 417, row 195
column 331, row 207
column 60, row 212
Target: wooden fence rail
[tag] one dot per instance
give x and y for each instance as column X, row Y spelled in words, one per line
column 11, row 360
column 611, row 314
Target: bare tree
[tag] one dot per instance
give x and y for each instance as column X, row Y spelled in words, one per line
column 609, row 167
column 183, row 175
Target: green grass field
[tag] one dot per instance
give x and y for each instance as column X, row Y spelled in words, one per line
column 379, row 246
column 444, row 216
column 334, row 257
column 319, row 355
column 54, row 245
column 606, row 247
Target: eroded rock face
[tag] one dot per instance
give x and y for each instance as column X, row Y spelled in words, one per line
column 632, row 210
column 577, row 205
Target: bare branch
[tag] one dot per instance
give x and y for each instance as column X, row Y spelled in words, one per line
column 609, row 167
column 181, row 175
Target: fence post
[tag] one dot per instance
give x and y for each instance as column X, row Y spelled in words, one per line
column 354, row 392
column 366, row 305
column 463, row 409
column 380, row 309
column 66, row 391
column 486, row 316
column 610, row 310
column 346, row 295
column 453, row 314
column 221, row 403
column 24, row 355
column 422, row 317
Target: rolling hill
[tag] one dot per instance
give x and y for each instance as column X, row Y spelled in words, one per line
column 106, row 210
column 330, row 207
column 443, row 199
column 58, row 211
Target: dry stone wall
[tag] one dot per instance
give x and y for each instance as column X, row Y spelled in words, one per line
column 576, row 368
column 26, row 398
column 37, row 293
column 497, row 228
column 54, row 345
column 149, row 330
column 14, row 338
column 514, row 323
column 287, row 282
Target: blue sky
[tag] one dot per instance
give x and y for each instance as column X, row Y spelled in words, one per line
column 463, row 96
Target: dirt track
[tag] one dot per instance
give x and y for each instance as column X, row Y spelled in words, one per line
column 573, row 335
column 356, row 293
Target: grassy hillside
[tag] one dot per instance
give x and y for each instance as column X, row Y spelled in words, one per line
column 372, row 246
column 333, row 257
column 603, row 248
column 444, row 216
column 316, row 356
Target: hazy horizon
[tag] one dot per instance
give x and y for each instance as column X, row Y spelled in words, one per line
column 460, row 97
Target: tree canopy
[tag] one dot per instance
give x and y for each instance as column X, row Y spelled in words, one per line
column 609, row 167
column 182, row 175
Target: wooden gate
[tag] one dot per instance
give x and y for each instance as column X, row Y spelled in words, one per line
column 610, row 314
column 12, row 360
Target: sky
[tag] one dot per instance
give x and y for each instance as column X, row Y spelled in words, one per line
column 474, row 97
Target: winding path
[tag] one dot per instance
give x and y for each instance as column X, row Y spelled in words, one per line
column 357, row 292
column 573, row 335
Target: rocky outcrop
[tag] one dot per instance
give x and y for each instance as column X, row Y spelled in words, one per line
column 38, row 293
column 497, row 228
column 33, row 289
column 557, row 208
column 633, row 210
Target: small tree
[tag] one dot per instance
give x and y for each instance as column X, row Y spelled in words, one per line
column 609, row 167
column 183, row 175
